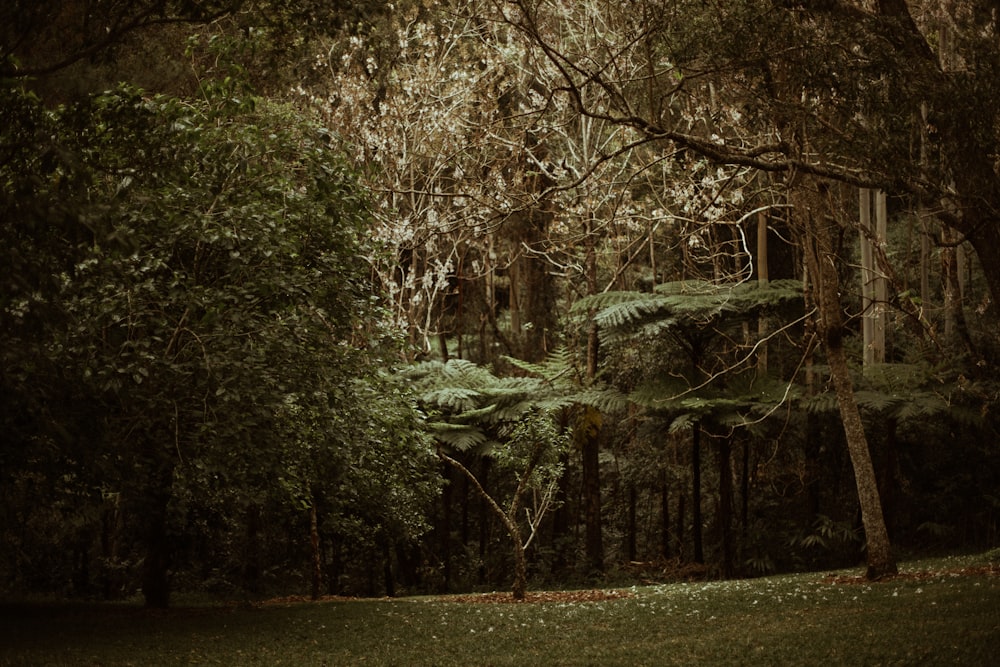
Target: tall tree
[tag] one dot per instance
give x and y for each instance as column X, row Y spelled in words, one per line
column 821, row 260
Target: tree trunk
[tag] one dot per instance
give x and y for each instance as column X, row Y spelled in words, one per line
column 867, row 276
column 696, row 527
column 811, row 450
column 631, row 528
column 589, row 428
column 445, row 536
column 818, row 245
column 956, row 331
column 156, row 566
column 509, row 521
column 484, row 520
column 664, row 515
column 390, row 580
column 679, row 531
column 588, row 435
column 561, row 518
column 317, row 559
column 726, row 505
column 252, row 557
column 763, row 276
column 744, row 499
column 111, row 531
column 519, row 589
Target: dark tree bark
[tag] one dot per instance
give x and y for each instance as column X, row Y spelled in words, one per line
column 745, row 490
column 252, row 552
column 156, row 566
column 631, row 525
column 664, row 515
column 696, row 520
column 588, row 436
column 484, row 520
column 316, row 572
column 445, row 528
column 387, row 575
column 679, row 531
column 725, row 518
column 561, row 520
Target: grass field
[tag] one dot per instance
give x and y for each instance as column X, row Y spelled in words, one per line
column 938, row 612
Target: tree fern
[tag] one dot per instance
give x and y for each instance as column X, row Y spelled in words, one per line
column 460, row 437
column 686, row 304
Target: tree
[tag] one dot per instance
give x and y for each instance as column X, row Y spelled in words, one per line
column 184, row 273
column 830, row 329
column 507, row 420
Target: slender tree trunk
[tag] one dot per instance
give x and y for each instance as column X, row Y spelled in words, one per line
column 631, row 528
column 823, row 269
column 252, row 558
column 679, row 530
column 887, row 480
column 664, row 515
column 811, row 449
column 956, row 331
column 867, row 276
column 509, row 521
column 744, row 497
column 317, row 555
column 588, row 431
column 881, row 291
column 519, row 589
column 484, row 520
column 696, row 527
column 763, row 276
column 111, row 580
column 390, row 580
column 561, row 514
column 446, row 511
column 725, row 518
column 156, row 566
column 873, row 283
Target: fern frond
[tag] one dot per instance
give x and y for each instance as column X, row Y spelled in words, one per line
column 688, row 287
column 557, row 364
column 460, row 437
column 606, row 399
column 876, row 401
column 682, row 423
column 452, row 398
column 628, row 312
column 597, row 302
column 822, row 403
column 923, row 405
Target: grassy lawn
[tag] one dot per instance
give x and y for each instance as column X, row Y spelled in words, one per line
column 940, row 612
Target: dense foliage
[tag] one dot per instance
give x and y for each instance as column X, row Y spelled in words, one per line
column 189, row 337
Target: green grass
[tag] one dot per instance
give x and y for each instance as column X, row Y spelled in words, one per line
column 939, row 618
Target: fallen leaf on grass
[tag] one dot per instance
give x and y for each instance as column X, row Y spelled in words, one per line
column 924, row 575
column 541, row 597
